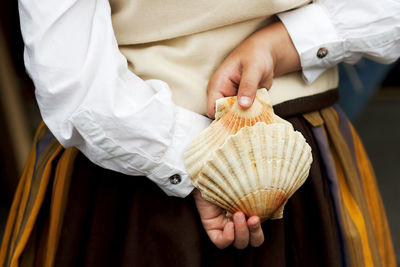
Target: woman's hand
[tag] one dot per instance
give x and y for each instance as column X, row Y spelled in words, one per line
column 222, row 231
column 252, row 65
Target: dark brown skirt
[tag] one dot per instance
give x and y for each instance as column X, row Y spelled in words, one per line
column 69, row 212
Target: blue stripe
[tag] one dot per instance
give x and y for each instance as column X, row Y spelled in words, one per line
column 42, row 144
column 333, row 186
column 344, row 127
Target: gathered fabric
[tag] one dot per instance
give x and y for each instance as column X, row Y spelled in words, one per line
column 69, row 212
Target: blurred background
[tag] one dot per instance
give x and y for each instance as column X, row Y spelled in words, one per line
column 370, row 95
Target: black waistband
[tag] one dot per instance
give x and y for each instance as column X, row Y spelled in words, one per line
column 307, row 104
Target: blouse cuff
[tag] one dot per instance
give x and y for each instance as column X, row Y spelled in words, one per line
column 172, row 177
column 314, row 38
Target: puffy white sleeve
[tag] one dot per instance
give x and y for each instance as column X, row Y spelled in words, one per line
column 89, row 99
column 327, row 32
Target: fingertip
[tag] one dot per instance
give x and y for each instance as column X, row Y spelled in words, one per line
column 254, row 223
column 253, row 220
column 239, row 217
column 211, row 111
column 228, row 234
column 212, row 103
column 241, row 231
column 256, row 233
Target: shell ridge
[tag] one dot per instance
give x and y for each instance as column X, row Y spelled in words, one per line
column 260, row 139
column 289, row 187
column 304, row 171
column 217, row 177
column 257, row 155
column 197, row 158
column 301, row 152
column 227, row 120
column 303, row 174
column 291, row 166
column 260, row 167
column 275, row 196
column 277, row 158
column 240, row 176
column 224, row 158
column 278, row 214
column 208, row 180
column 294, row 151
column 269, row 152
column 287, row 158
column 216, row 199
column 281, row 181
column 297, row 151
column 249, row 168
column 239, row 123
column 230, row 120
column 305, row 153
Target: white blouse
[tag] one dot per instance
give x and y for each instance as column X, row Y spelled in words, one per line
column 73, row 59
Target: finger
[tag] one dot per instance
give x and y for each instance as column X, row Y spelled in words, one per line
column 251, row 77
column 212, row 97
column 268, row 76
column 241, row 231
column 224, row 238
column 256, row 233
column 219, row 86
column 266, row 83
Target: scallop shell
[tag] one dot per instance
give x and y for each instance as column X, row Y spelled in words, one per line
column 248, row 160
column 229, row 119
column 256, row 170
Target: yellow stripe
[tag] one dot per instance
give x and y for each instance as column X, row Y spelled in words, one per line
column 19, row 203
column 354, row 199
column 10, row 229
column 355, row 214
column 375, row 205
column 61, row 186
column 35, row 210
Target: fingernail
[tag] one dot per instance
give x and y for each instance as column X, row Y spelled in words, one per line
column 245, row 101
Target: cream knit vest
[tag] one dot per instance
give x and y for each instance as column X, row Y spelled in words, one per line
column 182, row 42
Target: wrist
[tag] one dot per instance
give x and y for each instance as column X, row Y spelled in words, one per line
column 283, row 53
column 196, row 193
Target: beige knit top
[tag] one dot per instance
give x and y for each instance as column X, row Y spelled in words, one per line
column 183, row 42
